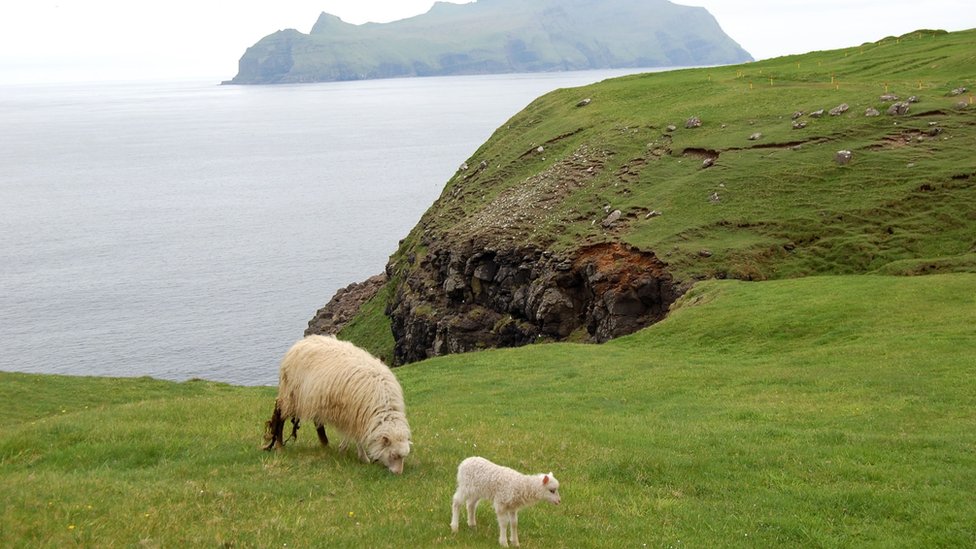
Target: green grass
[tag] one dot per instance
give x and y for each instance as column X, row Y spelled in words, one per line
column 785, row 208
column 817, row 412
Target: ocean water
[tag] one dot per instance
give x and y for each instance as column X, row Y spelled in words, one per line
column 189, row 230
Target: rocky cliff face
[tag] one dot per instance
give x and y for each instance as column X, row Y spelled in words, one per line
column 476, row 296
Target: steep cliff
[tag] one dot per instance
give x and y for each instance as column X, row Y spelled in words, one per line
column 588, row 213
column 494, row 36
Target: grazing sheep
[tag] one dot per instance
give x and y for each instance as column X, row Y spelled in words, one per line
column 509, row 490
column 328, row 381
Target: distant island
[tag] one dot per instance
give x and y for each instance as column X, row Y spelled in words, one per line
column 494, row 37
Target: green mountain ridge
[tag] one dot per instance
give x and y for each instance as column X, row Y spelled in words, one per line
column 588, row 213
column 494, row 36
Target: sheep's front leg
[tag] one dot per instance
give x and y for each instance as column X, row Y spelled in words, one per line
column 513, row 524
column 503, row 521
column 320, row 431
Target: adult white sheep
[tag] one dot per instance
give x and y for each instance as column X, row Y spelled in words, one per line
column 332, row 382
column 509, row 490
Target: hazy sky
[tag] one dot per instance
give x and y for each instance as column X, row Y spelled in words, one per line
column 53, row 40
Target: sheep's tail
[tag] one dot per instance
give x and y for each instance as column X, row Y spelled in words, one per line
column 274, row 428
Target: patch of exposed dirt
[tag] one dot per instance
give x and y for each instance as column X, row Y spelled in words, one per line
column 522, row 207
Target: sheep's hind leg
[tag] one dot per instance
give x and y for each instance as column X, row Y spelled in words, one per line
column 294, row 428
column 472, row 517
column 274, row 428
column 455, row 511
column 320, row 431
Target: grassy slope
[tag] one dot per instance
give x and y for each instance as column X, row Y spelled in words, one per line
column 825, row 411
column 897, row 201
column 785, row 208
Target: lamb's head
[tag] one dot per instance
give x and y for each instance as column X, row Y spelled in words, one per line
column 391, row 446
column 549, row 488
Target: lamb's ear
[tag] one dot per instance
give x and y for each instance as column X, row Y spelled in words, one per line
column 545, row 479
column 386, row 440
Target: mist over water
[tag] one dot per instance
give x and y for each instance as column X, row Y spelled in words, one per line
column 185, row 229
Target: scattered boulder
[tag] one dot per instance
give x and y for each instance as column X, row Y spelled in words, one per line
column 898, row 109
column 799, row 125
column 584, row 102
column 708, row 162
column 839, row 109
column 962, row 105
column 959, row 91
column 705, row 253
column 913, row 99
column 843, row 158
column 612, row 218
column 871, row 111
column 541, row 149
column 671, row 127
column 714, row 198
column 756, row 136
column 653, row 213
column 889, row 97
column 817, row 113
column 463, row 167
column 693, row 122
column 797, row 114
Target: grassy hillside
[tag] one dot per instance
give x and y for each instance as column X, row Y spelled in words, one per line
column 773, row 207
column 774, row 203
column 824, row 411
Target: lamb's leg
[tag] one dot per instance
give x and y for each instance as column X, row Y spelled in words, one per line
column 513, row 523
column 472, row 516
column 502, row 527
column 455, row 511
column 274, row 428
column 320, row 431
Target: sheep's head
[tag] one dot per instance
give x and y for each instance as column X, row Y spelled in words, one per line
column 390, row 444
column 550, row 488
column 392, row 451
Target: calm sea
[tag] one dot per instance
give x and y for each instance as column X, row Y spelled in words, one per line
column 186, row 229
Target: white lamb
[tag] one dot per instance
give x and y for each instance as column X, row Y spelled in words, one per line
column 509, row 490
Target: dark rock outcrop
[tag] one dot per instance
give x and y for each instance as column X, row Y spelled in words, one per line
column 512, row 297
column 344, row 305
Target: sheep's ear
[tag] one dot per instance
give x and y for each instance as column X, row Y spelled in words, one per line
column 386, row 440
column 545, row 480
